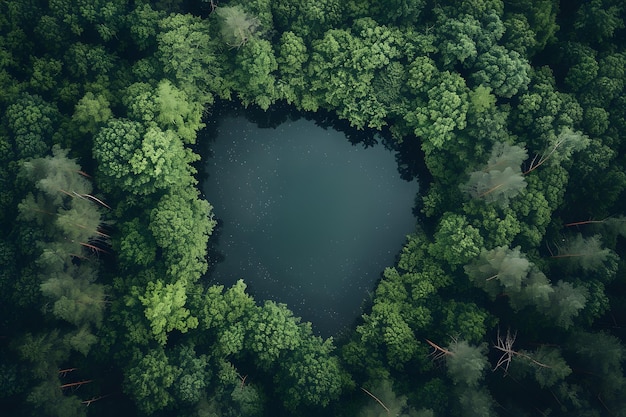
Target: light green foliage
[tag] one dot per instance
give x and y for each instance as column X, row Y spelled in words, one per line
column 181, row 224
column 499, row 270
column 136, row 245
column 386, row 328
column 466, row 364
column 91, row 112
column 584, row 253
column 236, row 26
column 147, row 381
column 143, row 160
column 271, row 332
column 161, row 162
column 31, row 121
column 502, row 178
column 343, row 66
column 176, row 112
column 291, row 60
column 441, row 112
column 481, row 99
column 309, row 376
column 225, row 308
column 499, row 227
column 188, row 57
column 456, row 241
column 165, row 309
column 506, row 72
column 254, row 73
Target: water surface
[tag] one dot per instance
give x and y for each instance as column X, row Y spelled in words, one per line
column 306, row 218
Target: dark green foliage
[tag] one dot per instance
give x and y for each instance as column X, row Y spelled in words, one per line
column 181, row 224
column 47, row 399
column 392, row 404
column 195, row 375
column 31, row 121
column 565, row 303
column 599, row 19
column 306, row 19
column 547, row 366
column 456, row 242
column 310, row 376
column 527, row 115
column 148, row 379
column 44, row 352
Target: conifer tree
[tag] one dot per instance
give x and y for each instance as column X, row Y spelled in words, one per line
column 502, row 178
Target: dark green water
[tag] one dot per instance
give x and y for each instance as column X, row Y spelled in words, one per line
column 307, row 218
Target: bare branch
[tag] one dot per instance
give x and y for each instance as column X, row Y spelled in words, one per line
column 377, row 400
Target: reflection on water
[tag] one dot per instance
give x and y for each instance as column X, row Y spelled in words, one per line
column 307, row 219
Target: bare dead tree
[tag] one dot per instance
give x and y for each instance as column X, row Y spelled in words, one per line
column 505, row 345
column 94, row 399
column 76, row 385
column 438, row 352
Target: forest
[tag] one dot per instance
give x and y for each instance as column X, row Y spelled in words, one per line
column 507, row 299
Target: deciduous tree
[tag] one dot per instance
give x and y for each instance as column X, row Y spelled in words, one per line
column 164, row 307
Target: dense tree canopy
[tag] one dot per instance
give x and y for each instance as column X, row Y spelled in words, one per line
column 511, row 113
